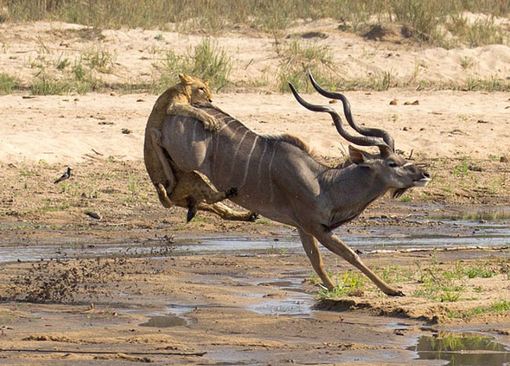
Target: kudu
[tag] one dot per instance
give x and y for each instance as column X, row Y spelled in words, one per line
column 277, row 177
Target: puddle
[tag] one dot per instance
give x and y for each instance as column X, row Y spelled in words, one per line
column 397, row 326
column 473, row 234
column 181, row 310
column 293, row 302
column 467, row 349
column 297, row 303
column 164, row 321
column 287, row 306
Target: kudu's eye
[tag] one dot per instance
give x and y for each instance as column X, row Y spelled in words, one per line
column 392, row 164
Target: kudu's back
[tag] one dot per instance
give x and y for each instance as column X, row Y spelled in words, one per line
column 235, row 156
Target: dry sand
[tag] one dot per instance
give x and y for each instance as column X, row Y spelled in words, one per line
column 65, row 129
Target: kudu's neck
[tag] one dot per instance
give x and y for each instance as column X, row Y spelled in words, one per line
column 352, row 188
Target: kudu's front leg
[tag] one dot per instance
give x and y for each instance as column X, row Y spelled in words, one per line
column 312, row 251
column 334, row 244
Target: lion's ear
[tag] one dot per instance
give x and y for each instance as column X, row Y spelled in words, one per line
column 185, row 79
column 206, row 82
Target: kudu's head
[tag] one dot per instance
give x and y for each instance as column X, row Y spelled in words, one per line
column 396, row 173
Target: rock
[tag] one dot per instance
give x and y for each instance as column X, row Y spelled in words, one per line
column 93, row 215
column 394, row 102
column 126, row 131
column 475, row 168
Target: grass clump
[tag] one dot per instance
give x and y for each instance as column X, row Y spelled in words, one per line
column 7, row 83
column 420, row 18
column 47, row 85
column 395, row 274
column 298, row 57
column 497, row 307
column 348, row 284
column 99, row 59
column 461, row 169
column 474, row 272
column 206, row 61
column 63, row 76
column 424, row 21
column 439, row 284
column 482, row 31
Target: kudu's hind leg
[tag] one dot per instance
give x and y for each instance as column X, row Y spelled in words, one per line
column 312, row 251
column 337, row 246
column 161, row 190
column 227, row 213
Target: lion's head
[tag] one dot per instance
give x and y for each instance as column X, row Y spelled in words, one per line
column 200, row 91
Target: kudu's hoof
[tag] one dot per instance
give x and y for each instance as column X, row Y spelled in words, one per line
column 395, row 293
column 253, row 216
column 192, row 209
column 190, row 215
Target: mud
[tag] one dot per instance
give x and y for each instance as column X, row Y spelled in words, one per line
column 215, row 300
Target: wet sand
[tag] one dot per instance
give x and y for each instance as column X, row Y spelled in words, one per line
column 233, row 305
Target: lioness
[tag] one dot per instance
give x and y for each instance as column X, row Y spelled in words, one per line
column 188, row 190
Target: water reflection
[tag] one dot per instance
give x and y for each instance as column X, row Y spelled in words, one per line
column 462, row 349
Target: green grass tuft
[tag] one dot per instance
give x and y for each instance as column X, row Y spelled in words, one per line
column 348, row 283
column 7, row 83
column 206, row 61
column 298, row 57
column 497, row 307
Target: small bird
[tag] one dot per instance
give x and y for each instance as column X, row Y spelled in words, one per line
column 64, row 176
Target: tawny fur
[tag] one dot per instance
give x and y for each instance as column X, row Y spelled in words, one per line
column 189, row 190
column 175, row 100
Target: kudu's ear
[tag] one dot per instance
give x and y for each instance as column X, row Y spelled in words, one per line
column 357, row 156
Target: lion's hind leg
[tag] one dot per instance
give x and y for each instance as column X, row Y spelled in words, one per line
column 194, row 189
column 161, row 190
column 227, row 213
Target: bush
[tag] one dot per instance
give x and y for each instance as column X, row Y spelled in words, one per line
column 206, row 61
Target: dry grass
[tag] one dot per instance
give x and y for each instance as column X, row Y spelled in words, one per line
column 207, row 61
column 424, row 21
column 7, row 83
column 433, row 22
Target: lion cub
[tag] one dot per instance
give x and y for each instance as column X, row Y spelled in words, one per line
column 187, row 189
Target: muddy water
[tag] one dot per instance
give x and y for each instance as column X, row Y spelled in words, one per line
column 294, row 303
column 462, row 349
column 447, row 234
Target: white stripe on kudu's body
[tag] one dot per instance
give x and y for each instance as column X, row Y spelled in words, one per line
column 278, row 178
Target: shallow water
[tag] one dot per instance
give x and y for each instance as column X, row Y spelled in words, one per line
column 296, row 303
column 474, row 234
column 164, row 321
column 467, row 349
